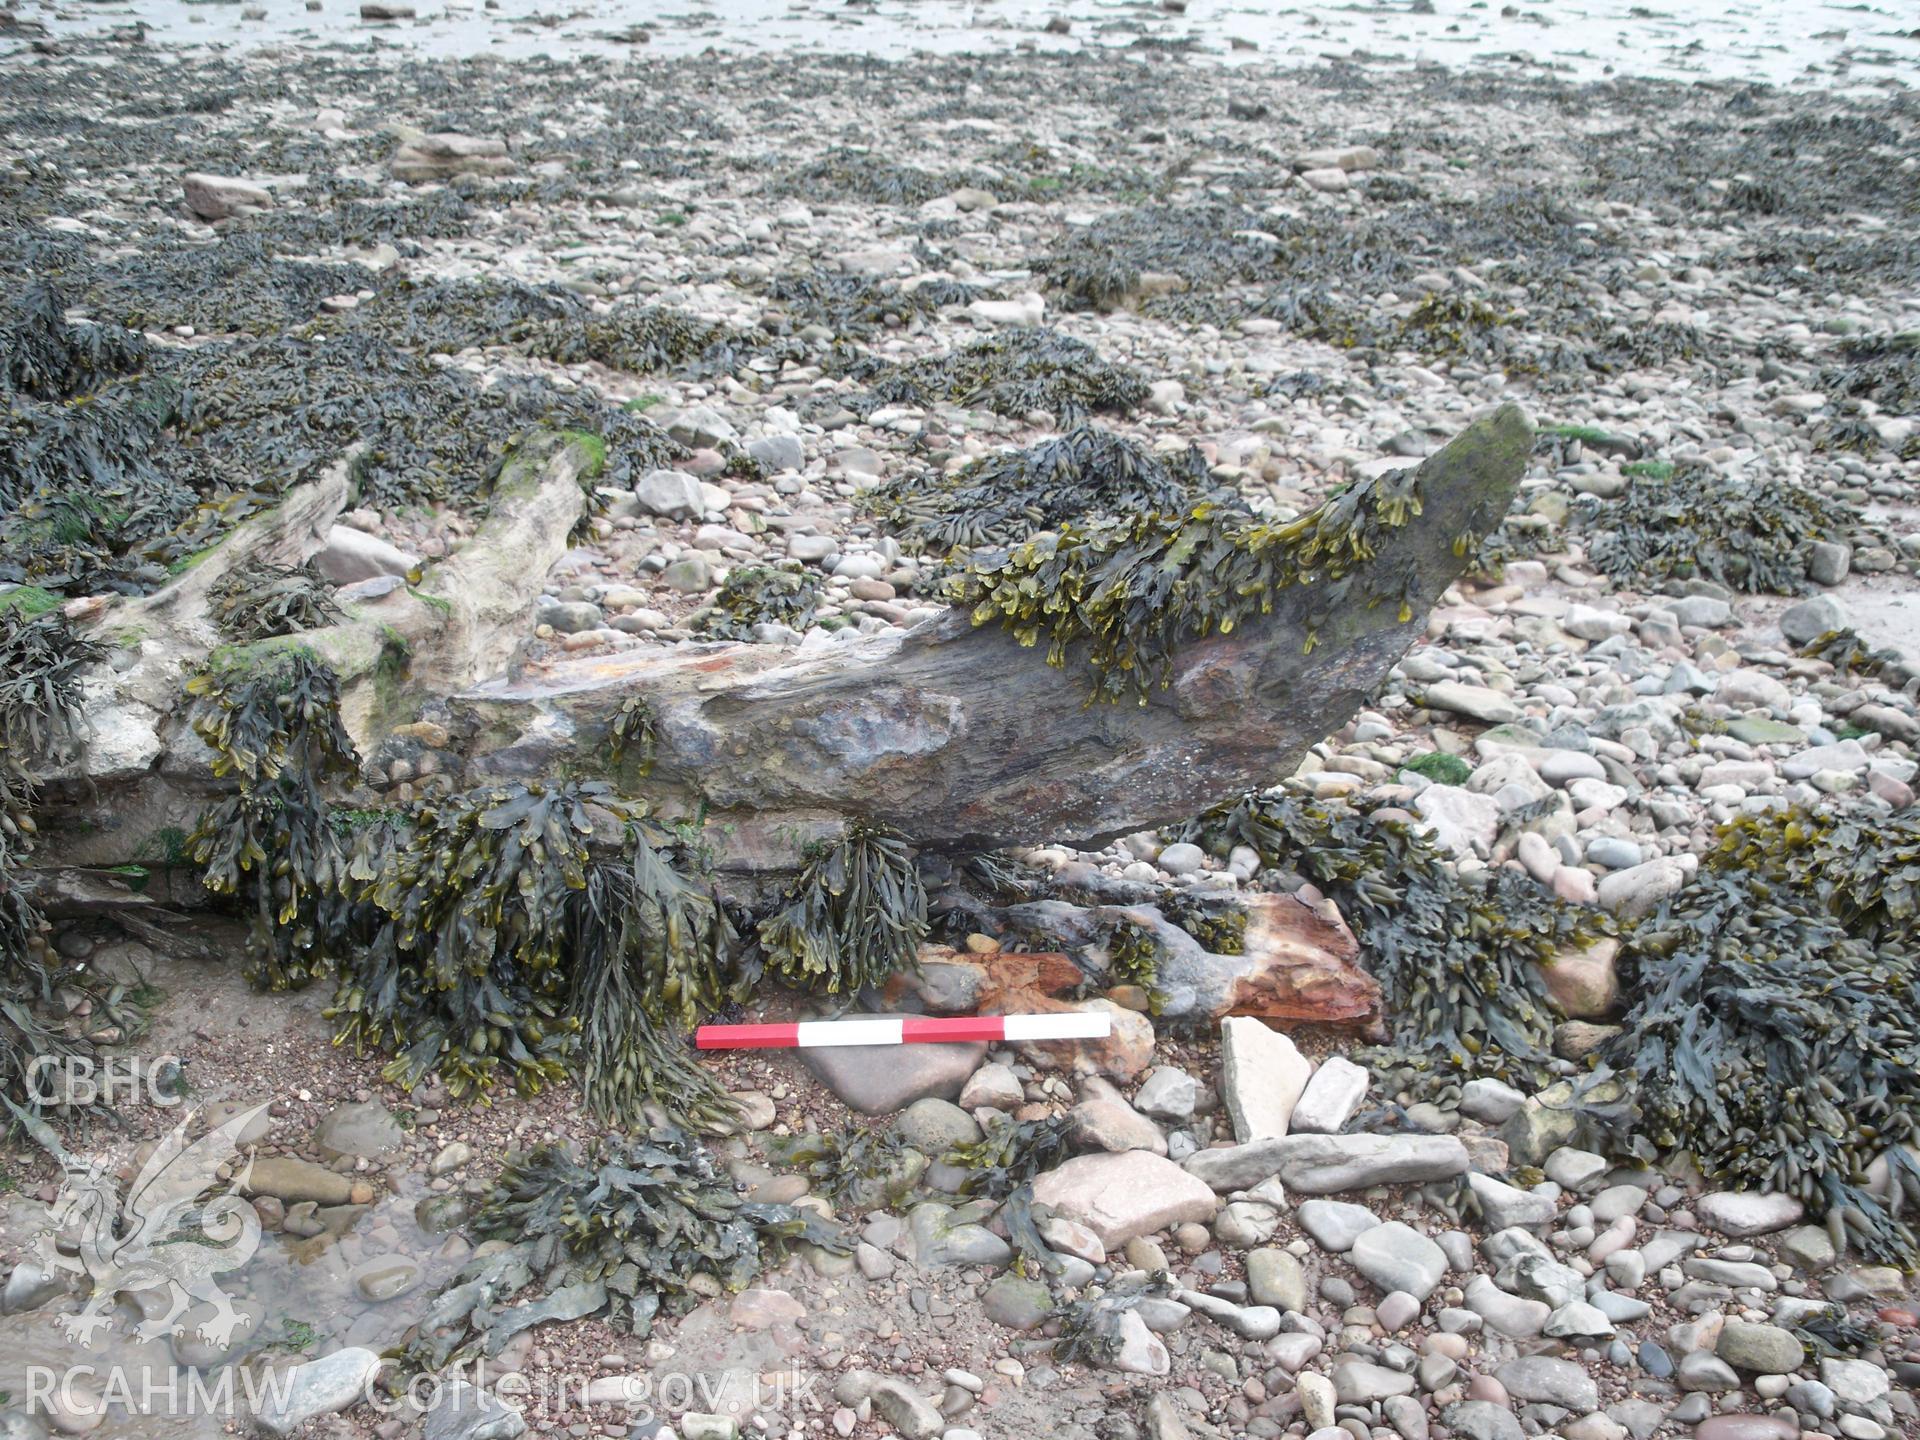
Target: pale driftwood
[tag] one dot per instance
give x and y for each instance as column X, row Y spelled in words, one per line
column 144, row 776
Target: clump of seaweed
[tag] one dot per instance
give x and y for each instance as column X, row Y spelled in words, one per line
column 1002, row 1165
column 419, row 432
column 1007, row 498
column 651, row 949
column 1220, row 926
column 755, row 595
column 1132, row 589
column 1832, row 1331
column 1697, row 523
column 1449, row 324
column 1013, row 1153
column 234, row 285
column 855, row 916
column 466, row 975
column 856, row 1166
column 503, row 948
column 633, row 729
column 78, row 428
column 847, row 174
column 1850, row 655
column 478, row 936
column 1777, row 1047
column 119, row 489
column 1133, row 958
column 1089, row 1328
column 1863, row 868
column 1882, row 368
column 1852, row 433
column 87, row 503
column 272, row 720
column 552, row 323
column 1459, row 957
column 1013, row 373
column 853, row 305
column 257, row 600
column 41, row 718
column 44, row 356
column 646, row 1219
column 1201, row 246
column 266, row 711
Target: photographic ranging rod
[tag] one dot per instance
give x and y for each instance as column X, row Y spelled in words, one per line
column 904, row 1030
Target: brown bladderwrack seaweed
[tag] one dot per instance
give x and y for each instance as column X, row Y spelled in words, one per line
column 856, row 915
column 272, row 719
column 635, row 1226
column 1697, row 523
column 41, row 717
column 480, row 936
column 1133, row 589
column 1772, row 1033
column 502, row 937
column 1458, row 957
column 257, row 600
column 1085, row 474
column 1011, row 374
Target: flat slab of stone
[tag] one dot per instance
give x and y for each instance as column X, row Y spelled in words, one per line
column 1505, row 1204
column 1298, row 964
column 1541, row 1379
column 1742, row 1214
column 294, row 1180
column 309, row 1391
column 364, row 1131
column 1330, row 1164
column 1395, row 1256
column 1263, row 1075
column 1332, row 1096
column 1125, row 1195
column 219, row 197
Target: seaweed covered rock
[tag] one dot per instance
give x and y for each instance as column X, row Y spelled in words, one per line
column 174, row 448
column 422, row 159
column 956, row 735
column 1752, row 535
column 1082, row 476
column 1012, row 373
column 549, row 321
column 758, row 595
column 482, row 936
column 1771, row 1036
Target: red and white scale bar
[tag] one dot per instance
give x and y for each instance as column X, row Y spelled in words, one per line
column 903, row 1030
